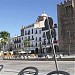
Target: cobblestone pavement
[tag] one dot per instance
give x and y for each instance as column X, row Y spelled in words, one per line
column 12, row 67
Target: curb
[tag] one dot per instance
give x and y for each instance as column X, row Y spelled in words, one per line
column 43, row 59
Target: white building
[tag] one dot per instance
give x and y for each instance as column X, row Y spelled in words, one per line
column 37, row 40
column 33, row 35
column 16, row 42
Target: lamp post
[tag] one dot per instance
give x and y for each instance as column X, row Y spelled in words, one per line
column 51, row 42
column 49, row 22
column 45, row 42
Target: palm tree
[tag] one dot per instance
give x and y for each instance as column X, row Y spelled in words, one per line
column 4, row 38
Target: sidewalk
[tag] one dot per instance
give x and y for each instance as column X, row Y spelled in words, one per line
column 62, row 58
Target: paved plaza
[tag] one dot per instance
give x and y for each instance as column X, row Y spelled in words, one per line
column 12, row 67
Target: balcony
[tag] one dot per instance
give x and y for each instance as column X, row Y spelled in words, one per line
column 17, row 41
column 44, row 43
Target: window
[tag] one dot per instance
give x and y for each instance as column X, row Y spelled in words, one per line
column 25, row 32
column 28, row 32
column 32, row 31
column 32, row 38
column 36, row 38
column 19, row 39
column 19, row 46
column 36, row 43
column 40, row 45
column 22, row 38
column 39, row 31
column 22, row 32
column 36, row 32
column 39, row 38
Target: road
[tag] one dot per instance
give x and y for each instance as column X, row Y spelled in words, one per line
column 12, row 67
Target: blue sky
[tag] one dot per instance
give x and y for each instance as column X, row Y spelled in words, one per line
column 15, row 13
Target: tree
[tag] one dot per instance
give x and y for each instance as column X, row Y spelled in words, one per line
column 25, row 44
column 4, row 38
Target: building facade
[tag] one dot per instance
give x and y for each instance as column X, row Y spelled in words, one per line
column 37, row 38
column 33, row 36
column 16, row 42
column 66, row 25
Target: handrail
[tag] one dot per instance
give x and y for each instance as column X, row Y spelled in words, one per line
column 1, row 67
column 58, row 72
column 29, row 72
